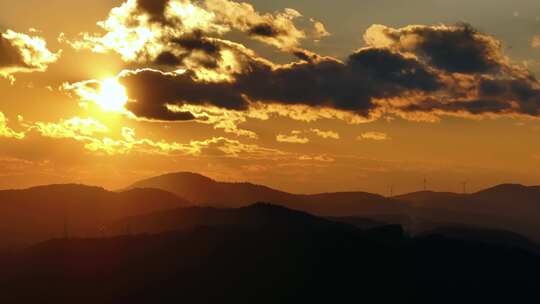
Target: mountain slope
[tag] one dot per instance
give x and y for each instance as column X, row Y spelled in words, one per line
column 205, row 191
column 525, row 201
column 40, row 213
column 508, row 207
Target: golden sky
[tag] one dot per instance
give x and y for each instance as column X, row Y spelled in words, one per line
column 304, row 96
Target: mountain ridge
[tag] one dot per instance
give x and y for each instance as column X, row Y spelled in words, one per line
column 72, row 209
column 517, row 210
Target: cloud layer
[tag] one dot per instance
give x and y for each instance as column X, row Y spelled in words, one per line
column 417, row 72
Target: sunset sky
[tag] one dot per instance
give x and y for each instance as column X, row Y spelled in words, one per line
column 304, row 96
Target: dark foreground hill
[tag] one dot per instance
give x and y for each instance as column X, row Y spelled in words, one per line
column 289, row 258
column 41, row 213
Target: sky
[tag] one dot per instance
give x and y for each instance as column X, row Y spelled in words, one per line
column 304, row 96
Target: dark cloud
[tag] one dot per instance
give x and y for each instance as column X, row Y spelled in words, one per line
column 474, row 107
column 9, row 55
column 153, row 90
column 155, row 8
column 196, row 42
column 306, row 55
column 461, row 49
column 156, row 111
column 455, row 49
column 264, row 30
column 350, row 85
column 185, row 46
column 491, row 96
column 521, row 91
column 167, row 58
column 303, row 56
column 393, row 70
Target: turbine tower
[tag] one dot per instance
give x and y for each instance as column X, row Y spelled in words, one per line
column 464, row 185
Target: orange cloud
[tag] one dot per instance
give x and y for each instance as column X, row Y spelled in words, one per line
column 293, row 138
column 23, row 53
column 326, row 134
column 377, row 136
column 535, row 41
column 6, row 131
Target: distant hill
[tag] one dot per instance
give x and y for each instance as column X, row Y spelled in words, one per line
column 250, row 217
column 509, row 207
column 501, row 199
column 522, row 201
column 207, row 192
column 269, row 254
column 41, row 213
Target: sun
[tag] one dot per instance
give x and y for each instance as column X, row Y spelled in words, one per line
column 111, row 96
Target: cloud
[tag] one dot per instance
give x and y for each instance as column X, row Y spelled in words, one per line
column 94, row 135
column 318, row 158
column 6, row 131
column 98, row 138
column 347, row 86
column 230, row 120
column 417, row 72
column 300, row 137
column 23, row 53
column 455, row 49
column 226, row 120
column 107, row 94
column 294, row 138
column 377, row 136
column 326, row 134
column 174, row 31
column 236, row 149
column 76, row 128
column 535, row 41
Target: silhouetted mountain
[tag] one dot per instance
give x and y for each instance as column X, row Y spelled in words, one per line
column 508, row 207
column 204, row 191
column 519, row 200
column 290, row 257
column 509, row 192
column 41, row 213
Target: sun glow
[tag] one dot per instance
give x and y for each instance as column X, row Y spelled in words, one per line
column 112, row 96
